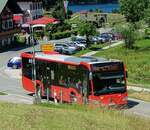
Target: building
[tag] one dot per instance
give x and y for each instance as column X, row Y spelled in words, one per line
column 32, row 9
column 7, row 27
column 97, row 18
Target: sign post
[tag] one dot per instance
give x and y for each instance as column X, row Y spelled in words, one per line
column 47, row 47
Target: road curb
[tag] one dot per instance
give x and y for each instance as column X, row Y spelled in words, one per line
column 13, row 98
column 138, row 89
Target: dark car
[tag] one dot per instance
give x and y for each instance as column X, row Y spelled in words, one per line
column 107, row 36
column 58, row 49
column 81, row 40
column 68, row 51
column 14, row 63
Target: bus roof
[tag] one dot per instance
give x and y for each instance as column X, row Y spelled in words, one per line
column 71, row 59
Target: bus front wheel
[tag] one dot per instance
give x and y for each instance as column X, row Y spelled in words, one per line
column 39, row 92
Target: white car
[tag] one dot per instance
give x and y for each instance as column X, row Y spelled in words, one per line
column 81, row 45
column 65, row 46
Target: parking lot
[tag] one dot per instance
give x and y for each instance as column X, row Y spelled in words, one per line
column 73, row 45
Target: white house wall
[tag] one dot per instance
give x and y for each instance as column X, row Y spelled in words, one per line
column 35, row 13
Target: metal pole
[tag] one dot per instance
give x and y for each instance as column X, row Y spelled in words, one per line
column 47, row 94
column 37, row 99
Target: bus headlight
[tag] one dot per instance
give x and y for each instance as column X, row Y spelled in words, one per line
column 125, row 98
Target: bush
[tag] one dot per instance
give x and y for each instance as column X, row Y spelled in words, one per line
column 20, row 40
column 147, row 33
column 129, row 34
column 60, row 35
column 61, row 27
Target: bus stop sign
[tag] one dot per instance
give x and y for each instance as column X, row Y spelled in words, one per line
column 47, row 47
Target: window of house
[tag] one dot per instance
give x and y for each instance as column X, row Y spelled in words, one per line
column 3, row 25
column 38, row 5
column 0, row 43
column 31, row 7
column 12, row 39
column 9, row 41
column 10, row 23
column 3, row 43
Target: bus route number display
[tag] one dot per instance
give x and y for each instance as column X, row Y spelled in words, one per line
column 105, row 68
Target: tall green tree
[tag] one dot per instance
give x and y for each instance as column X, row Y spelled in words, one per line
column 133, row 9
column 58, row 11
column 49, row 4
column 129, row 34
column 88, row 29
column 147, row 15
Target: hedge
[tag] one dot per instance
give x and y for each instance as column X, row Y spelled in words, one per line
column 60, row 35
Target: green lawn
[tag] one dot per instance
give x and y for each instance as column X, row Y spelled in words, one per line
column 1, row 93
column 137, row 61
column 92, row 48
column 66, row 117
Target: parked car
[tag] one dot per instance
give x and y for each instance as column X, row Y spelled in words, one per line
column 79, row 45
column 65, row 48
column 58, row 49
column 73, row 46
column 98, row 39
column 81, row 40
column 14, row 63
column 106, row 36
column 68, row 51
column 63, row 45
column 94, row 39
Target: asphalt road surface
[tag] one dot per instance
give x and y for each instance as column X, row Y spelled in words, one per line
column 10, row 83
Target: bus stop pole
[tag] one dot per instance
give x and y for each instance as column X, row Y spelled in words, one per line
column 37, row 99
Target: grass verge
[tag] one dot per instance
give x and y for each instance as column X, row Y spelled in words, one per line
column 62, row 117
column 1, row 93
column 92, row 48
column 145, row 96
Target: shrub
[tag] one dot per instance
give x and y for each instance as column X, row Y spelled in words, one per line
column 60, row 35
column 147, row 33
column 129, row 34
column 20, row 40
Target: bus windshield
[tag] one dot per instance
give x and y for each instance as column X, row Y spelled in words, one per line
column 108, row 79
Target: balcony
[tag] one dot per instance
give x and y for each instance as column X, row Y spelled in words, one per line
column 9, row 32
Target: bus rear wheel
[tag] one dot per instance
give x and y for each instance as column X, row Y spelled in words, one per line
column 39, row 92
column 73, row 98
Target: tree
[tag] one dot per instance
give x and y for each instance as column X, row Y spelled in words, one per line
column 147, row 15
column 88, row 29
column 49, row 3
column 133, row 9
column 129, row 34
column 58, row 11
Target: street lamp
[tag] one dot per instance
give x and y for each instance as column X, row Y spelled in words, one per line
column 37, row 98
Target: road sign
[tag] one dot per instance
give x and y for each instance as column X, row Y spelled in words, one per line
column 47, row 47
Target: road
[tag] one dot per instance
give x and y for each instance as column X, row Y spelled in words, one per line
column 10, row 83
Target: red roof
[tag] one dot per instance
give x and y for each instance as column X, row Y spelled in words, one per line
column 43, row 20
column 17, row 17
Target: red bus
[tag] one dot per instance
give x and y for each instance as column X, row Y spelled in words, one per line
column 76, row 79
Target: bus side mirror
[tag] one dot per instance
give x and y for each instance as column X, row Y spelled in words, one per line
column 126, row 74
column 90, row 76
